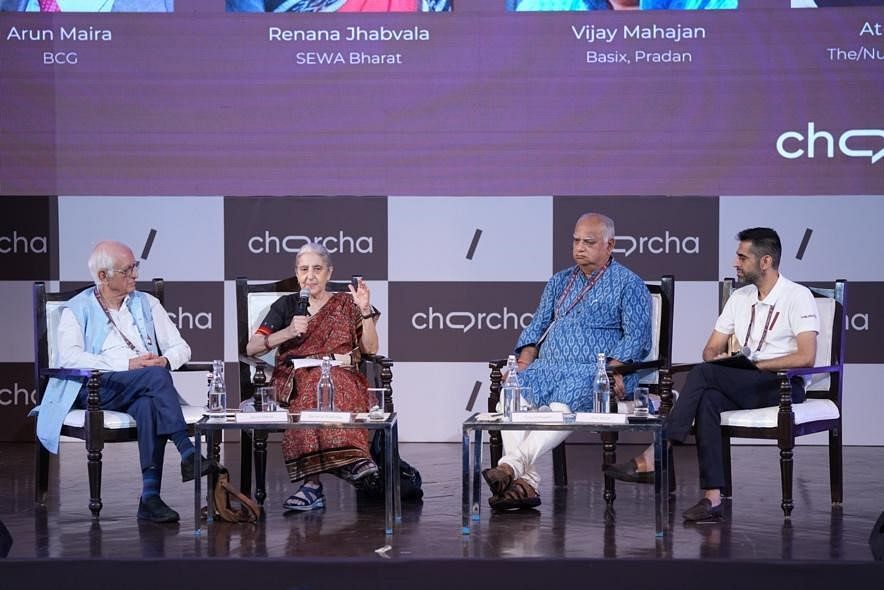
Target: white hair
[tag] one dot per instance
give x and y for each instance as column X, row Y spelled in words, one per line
column 607, row 224
column 103, row 259
column 314, row 248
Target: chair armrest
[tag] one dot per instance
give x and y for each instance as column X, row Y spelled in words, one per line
column 196, row 366
column 377, row 358
column 800, row 371
column 630, row 368
column 66, row 373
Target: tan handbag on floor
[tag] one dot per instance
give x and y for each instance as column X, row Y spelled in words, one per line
column 248, row 511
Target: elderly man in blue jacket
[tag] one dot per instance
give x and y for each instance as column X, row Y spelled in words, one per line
column 129, row 337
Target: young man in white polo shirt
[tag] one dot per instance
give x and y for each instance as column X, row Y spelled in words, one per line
column 776, row 323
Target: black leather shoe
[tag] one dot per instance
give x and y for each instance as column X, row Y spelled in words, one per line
column 628, row 472
column 188, row 465
column 702, row 511
column 155, row 510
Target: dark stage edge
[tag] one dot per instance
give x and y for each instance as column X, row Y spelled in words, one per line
column 328, row 574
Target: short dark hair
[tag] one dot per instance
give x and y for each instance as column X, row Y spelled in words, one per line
column 765, row 242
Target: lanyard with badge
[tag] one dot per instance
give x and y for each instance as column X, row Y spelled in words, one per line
column 746, row 350
column 557, row 311
column 110, row 319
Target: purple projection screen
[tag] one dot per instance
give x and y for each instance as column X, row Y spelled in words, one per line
column 765, row 99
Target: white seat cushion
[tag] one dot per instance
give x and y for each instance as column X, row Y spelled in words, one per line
column 808, row 411
column 121, row 420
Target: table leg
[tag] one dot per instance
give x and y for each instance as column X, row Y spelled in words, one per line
column 397, row 488
column 609, row 457
column 661, row 482
column 260, row 438
column 477, row 479
column 390, row 476
column 197, row 438
column 210, row 482
column 465, row 483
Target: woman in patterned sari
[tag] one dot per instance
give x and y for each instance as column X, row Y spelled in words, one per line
column 337, row 324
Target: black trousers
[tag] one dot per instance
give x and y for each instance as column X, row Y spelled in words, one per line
column 149, row 396
column 710, row 390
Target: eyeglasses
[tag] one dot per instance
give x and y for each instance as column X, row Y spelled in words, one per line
column 128, row 271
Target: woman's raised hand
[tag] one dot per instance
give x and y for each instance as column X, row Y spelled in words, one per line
column 362, row 297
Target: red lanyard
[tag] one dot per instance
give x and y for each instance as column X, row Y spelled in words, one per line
column 557, row 312
column 768, row 324
column 114, row 324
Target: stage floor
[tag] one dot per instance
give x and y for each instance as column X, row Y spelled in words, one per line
column 571, row 523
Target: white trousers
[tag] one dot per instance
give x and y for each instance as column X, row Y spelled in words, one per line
column 522, row 448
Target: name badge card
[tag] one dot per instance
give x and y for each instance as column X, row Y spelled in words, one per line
column 593, row 418
column 262, row 417
column 537, row 417
column 323, row 417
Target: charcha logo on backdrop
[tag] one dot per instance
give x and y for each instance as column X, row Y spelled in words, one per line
column 26, row 238
column 865, row 305
column 262, row 235
column 458, row 322
column 17, row 398
column 813, row 143
column 654, row 235
column 197, row 310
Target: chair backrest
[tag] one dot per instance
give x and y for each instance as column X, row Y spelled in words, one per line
column 47, row 313
column 253, row 301
column 830, row 342
column 662, row 306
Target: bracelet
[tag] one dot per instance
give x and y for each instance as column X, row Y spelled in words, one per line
column 369, row 316
column 267, row 342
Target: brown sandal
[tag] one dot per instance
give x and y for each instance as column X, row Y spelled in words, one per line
column 499, row 478
column 519, row 495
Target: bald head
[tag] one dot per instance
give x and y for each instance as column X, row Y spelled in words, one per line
column 593, row 241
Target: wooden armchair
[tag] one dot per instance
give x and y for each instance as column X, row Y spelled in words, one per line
column 653, row 371
column 92, row 425
column 253, row 301
column 820, row 412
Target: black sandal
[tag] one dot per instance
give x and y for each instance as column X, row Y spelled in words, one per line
column 518, row 496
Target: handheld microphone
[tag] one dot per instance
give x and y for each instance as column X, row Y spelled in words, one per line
column 303, row 299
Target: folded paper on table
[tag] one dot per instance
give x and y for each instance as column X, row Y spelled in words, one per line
column 320, row 417
column 595, row 418
column 262, row 417
column 537, row 417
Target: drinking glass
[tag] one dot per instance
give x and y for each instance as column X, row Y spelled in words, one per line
column 376, row 403
column 264, row 396
column 640, row 398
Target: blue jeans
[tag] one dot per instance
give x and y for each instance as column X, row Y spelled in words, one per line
column 149, row 396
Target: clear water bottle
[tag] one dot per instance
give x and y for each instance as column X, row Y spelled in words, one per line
column 511, row 389
column 217, row 402
column 601, row 390
column 325, row 389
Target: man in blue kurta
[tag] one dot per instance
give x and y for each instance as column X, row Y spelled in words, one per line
column 595, row 306
column 129, row 337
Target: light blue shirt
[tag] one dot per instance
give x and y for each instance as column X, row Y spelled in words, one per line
column 76, row 5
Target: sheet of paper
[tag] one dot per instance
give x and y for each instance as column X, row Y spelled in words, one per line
column 304, row 363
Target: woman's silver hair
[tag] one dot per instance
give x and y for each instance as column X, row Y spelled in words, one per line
column 314, row 248
column 102, row 259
